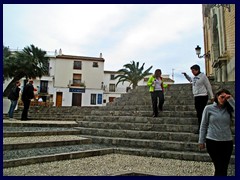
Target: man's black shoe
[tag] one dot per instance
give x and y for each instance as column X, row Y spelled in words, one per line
column 24, row 119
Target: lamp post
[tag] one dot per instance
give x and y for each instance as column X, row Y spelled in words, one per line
column 198, row 52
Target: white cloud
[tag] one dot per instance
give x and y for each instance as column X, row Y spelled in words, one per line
column 122, row 32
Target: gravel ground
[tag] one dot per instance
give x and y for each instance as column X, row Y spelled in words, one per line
column 108, row 165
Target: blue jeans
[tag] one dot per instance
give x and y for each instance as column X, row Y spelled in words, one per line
column 12, row 108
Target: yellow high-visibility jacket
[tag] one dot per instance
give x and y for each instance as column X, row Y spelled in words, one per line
column 151, row 86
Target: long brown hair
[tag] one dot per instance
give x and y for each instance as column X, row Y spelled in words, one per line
column 226, row 104
column 157, row 73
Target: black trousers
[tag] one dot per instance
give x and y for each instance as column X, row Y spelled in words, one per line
column 200, row 103
column 220, row 153
column 26, row 104
column 157, row 101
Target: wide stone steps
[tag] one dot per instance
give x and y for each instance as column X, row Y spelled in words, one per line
column 153, row 133
column 50, row 154
column 168, row 107
column 40, row 123
column 138, row 101
column 124, row 126
column 40, row 133
column 30, row 142
column 148, row 127
column 176, row 146
column 144, row 120
column 13, row 143
column 146, row 113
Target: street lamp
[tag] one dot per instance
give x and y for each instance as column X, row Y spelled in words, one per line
column 198, row 52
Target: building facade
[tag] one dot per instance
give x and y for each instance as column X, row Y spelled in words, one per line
column 219, row 41
column 76, row 80
column 80, row 81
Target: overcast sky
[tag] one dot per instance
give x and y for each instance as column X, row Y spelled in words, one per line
column 160, row 35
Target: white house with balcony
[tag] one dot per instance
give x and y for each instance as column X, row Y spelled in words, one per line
column 80, row 81
column 77, row 80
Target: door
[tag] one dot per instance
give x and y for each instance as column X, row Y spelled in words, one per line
column 76, row 99
column 59, row 99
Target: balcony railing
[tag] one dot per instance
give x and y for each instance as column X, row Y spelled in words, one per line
column 76, row 84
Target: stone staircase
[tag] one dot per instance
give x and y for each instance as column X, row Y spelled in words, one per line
column 127, row 123
column 124, row 126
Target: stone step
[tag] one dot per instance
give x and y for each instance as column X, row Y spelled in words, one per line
column 146, row 113
column 167, row 107
column 168, row 95
column 13, row 143
column 41, row 155
column 172, row 101
column 55, row 110
column 96, row 126
column 178, row 146
column 141, row 133
column 145, row 120
column 39, row 123
column 40, row 133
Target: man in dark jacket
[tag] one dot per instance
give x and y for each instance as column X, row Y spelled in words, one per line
column 27, row 95
column 13, row 97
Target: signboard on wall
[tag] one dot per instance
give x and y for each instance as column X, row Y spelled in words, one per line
column 76, row 90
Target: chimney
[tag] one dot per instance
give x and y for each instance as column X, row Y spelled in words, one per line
column 100, row 55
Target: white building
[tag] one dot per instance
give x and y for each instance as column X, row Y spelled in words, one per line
column 110, row 90
column 76, row 80
column 80, row 81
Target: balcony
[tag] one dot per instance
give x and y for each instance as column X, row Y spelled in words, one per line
column 76, row 84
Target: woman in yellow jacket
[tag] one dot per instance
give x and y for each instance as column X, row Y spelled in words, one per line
column 156, row 89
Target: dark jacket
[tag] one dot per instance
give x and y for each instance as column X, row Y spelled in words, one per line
column 28, row 92
column 14, row 93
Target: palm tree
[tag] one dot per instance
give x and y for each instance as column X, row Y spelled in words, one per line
column 30, row 63
column 132, row 73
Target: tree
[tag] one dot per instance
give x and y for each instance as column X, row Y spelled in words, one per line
column 29, row 63
column 132, row 73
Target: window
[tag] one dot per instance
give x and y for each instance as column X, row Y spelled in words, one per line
column 47, row 73
column 95, row 64
column 112, row 87
column 77, row 65
column 43, row 86
column 93, row 99
column 77, row 78
column 112, row 77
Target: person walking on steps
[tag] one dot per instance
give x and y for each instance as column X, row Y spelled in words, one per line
column 201, row 88
column 156, row 88
column 27, row 95
column 13, row 97
column 215, row 131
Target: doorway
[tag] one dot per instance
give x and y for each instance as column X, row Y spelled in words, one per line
column 76, row 99
column 59, row 99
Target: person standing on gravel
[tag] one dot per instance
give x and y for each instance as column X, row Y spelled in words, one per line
column 155, row 83
column 201, row 88
column 27, row 95
column 215, row 131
